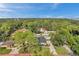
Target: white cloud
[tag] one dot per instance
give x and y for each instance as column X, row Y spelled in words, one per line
column 3, row 17
column 50, row 16
column 60, row 17
column 23, row 7
column 55, row 16
column 76, row 17
column 28, row 7
column 45, row 16
column 2, row 5
column 4, row 8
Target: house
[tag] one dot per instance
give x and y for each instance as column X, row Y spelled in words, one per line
column 42, row 40
column 8, row 44
column 45, row 31
column 42, row 29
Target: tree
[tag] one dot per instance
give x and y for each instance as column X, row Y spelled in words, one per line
column 75, row 49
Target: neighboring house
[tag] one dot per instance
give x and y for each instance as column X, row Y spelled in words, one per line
column 7, row 44
column 45, row 31
column 42, row 29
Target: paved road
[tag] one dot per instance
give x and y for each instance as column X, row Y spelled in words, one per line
column 52, row 49
column 68, row 49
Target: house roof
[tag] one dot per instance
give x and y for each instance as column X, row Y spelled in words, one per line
column 9, row 42
column 42, row 39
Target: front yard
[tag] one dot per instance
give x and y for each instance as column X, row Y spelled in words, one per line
column 3, row 50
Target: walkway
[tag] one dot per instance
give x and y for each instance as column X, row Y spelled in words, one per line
column 69, row 50
column 52, row 49
column 14, row 51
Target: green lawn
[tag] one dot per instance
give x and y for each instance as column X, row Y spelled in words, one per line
column 36, row 52
column 61, row 51
column 44, row 52
column 3, row 50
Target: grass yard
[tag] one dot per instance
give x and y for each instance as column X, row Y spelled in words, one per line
column 3, row 50
column 35, row 51
column 44, row 52
column 61, row 51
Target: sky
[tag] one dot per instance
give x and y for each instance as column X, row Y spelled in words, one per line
column 39, row 10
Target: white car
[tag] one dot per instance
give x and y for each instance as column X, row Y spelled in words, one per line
column 1, row 43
